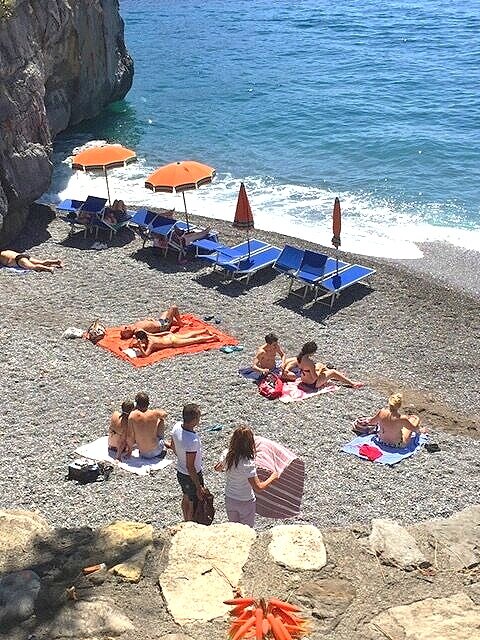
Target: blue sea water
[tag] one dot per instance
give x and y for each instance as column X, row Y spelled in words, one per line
column 378, row 103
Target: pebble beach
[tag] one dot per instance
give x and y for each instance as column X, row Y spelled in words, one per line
column 416, row 330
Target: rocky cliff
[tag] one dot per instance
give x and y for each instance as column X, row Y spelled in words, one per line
column 60, row 62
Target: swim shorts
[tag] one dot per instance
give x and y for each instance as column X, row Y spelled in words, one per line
column 188, row 486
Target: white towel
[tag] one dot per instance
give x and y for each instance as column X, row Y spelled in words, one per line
column 98, row 450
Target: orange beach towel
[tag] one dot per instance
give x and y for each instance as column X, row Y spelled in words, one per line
column 114, row 343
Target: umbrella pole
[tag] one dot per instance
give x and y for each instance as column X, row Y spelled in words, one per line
column 248, row 241
column 108, row 188
column 186, row 212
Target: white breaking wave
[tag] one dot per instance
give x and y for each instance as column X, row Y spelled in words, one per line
column 369, row 226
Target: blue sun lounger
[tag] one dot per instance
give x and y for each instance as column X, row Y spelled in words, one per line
column 86, row 215
column 69, row 205
column 289, row 261
column 231, row 255
column 256, row 262
column 331, row 287
column 314, row 268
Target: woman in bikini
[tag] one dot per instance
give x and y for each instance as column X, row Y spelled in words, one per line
column 148, row 343
column 117, row 433
column 10, row 258
column 314, row 375
column 395, row 429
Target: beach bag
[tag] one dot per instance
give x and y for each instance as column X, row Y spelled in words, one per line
column 85, row 471
column 271, row 386
column 204, row 510
column 362, row 428
column 96, row 331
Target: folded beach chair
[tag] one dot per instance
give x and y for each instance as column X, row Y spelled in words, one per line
column 314, row 268
column 256, row 262
column 232, row 255
column 331, row 288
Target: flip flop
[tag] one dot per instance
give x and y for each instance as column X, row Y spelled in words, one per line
column 208, row 318
column 218, row 320
column 226, row 349
column 237, row 347
column 215, row 427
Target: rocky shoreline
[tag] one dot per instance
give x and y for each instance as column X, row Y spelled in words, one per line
column 409, row 332
column 373, row 582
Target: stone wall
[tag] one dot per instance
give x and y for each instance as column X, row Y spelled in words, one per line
column 60, row 62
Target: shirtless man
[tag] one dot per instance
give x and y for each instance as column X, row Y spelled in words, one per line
column 265, row 357
column 146, row 428
column 164, row 323
column 394, row 428
column 148, row 343
column 10, row 258
column 117, row 433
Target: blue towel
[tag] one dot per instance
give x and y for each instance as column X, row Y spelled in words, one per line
column 251, row 374
column 389, row 455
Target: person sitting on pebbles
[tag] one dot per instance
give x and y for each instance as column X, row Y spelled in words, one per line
column 117, row 433
column 10, row 258
column 167, row 319
column 149, row 343
column 395, row 429
column 314, row 375
column 265, row 357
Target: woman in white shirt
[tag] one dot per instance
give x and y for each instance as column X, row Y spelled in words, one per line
column 238, row 462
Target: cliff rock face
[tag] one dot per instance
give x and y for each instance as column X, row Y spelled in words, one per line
column 61, row 61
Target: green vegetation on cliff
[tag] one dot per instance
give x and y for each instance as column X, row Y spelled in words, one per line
column 6, row 8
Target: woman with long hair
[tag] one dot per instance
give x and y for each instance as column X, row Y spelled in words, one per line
column 238, row 462
column 314, row 374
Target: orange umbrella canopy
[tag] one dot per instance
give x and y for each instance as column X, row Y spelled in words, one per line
column 101, row 158
column 180, row 176
column 337, row 223
column 243, row 213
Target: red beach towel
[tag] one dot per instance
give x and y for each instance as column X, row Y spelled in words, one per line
column 283, row 498
column 115, row 344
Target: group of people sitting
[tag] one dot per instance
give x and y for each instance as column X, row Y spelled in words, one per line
column 270, row 357
column 154, row 334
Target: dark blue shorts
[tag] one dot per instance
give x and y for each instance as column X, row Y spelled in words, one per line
column 188, row 486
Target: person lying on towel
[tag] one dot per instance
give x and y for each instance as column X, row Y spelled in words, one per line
column 117, row 433
column 10, row 258
column 314, row 375
column 146, row 428
column 395, row 429
column 148, row 343
column 265, row 358
column 166, row 320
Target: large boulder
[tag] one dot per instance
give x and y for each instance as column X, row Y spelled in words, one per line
column 452, row 618
column 22, row 534
column 298, row 547
column 89, row 619
column 203, row 564
column 395, row 546
column 60, row 62
column 18, row 594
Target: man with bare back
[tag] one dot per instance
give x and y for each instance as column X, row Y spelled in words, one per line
column 163, row 324
column 146, row 428
column 148, row 343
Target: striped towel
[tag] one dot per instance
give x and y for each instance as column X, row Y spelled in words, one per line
column 283, row 498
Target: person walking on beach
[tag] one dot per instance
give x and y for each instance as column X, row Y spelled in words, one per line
column 395, row 429
column 265, row 358
column 167, row 319
column 241, row 480
column 314, row 375
column 149, row 343
column 10, row 258
column 118, row 431
column 186, row 445
column 146, row 428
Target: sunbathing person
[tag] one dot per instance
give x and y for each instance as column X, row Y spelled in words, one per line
column 149, row 343
column 146, row 428
column 314, row 375
column 117, row 433
column 394, row 428
column 163, row 324
column 265, row 358
column 10, row 258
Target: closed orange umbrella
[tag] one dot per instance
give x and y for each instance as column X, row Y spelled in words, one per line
column 243, row 214
column 180, row 176
column 337, row 225
column 101, row 158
